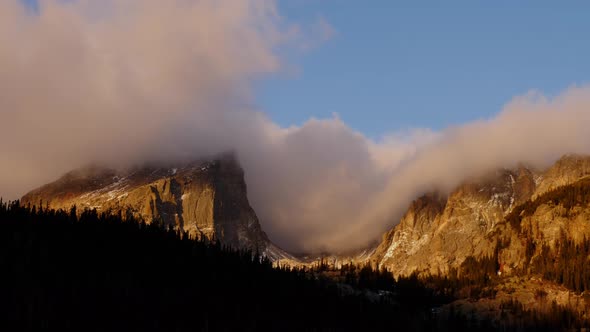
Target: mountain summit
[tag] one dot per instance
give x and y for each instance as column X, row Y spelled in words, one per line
column 203, row 198
column 513, row 212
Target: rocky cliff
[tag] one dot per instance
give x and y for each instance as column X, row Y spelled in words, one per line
column 203, row 198
column 509, row 206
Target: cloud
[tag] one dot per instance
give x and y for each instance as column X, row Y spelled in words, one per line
column 124, row 82
column 99, row 80
column 338, row 190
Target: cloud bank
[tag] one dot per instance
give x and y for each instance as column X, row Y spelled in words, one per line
column 124, row 82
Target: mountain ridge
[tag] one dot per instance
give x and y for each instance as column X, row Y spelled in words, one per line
column 209, row 198
column 205, row 198
column 436, row 234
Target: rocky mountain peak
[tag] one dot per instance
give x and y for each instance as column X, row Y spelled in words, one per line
column 566, row 170
column 206, row 198
column 435, row 235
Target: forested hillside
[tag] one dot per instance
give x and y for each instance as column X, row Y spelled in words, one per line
column 98, row 273
column 63, row 270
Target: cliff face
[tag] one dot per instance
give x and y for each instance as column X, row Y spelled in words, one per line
column 568, row 169
column 438, row 233
column 202, row 198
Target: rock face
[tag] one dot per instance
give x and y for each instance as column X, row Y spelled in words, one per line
column 568, row 169
column 202, row 198
column 438, row 233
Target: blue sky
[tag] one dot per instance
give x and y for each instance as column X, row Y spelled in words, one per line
column 393, row 66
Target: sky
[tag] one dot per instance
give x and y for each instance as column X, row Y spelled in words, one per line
column 394, row 65
column 340, row 114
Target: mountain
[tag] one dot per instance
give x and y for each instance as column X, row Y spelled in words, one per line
column 505, row 212
column 203, row 198
column 512, row 241
column 438, row 232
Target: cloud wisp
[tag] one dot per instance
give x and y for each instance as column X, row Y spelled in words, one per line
column 124, row 82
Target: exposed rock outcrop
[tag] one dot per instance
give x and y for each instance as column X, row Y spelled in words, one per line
column 438, row 233
column 203, row 198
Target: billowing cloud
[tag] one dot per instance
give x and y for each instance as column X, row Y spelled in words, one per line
column 121, row 81
column 124, row 82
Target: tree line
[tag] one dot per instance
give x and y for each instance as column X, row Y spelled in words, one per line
column 72, row 270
